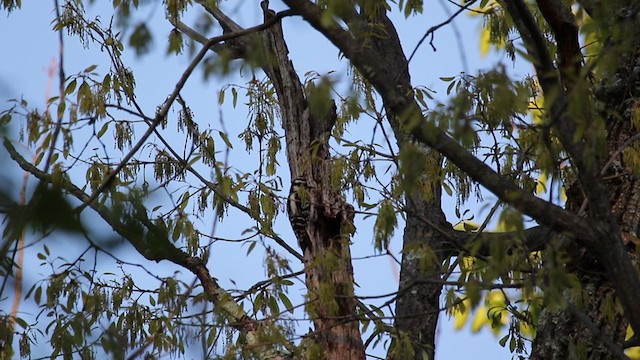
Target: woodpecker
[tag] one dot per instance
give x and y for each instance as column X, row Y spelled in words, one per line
column 299, row 209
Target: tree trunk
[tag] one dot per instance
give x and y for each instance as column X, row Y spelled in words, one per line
column 327, row 257
column 596, row 328
column 418, row 300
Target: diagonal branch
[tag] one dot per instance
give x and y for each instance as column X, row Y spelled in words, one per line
column 163, row 250
column 592, row 233
column 535, row 43
column 562, row 22
column 164, row 109
column 533, row 239
column 366, row 60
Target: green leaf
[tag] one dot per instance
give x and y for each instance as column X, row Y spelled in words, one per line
column 141, row 39
column 61, row 108
column 386, row 223
column 90, row 68
column 176, row 42
column 257, row 303
column 447, row 189
column 38, row 295
column 33, row 287
column 184, row 201
column 503, row 341
column 5, row 119
column 48, row 208
column 71, row 87
column 103, row 130
column 213, row 334
column 252, row 245
column 469, row 227
column 39, row 157
column 177, row 230
column 234, row 93
column 225, row 139
column 451, row 85
column 287, row 303
column 272, row 303
column 23, row 324
column 512, row 344
column 106, row 82
column 194, row 160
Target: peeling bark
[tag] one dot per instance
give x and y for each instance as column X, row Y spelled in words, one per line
column 328, row 268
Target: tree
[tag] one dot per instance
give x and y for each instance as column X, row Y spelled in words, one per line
column 569, row 283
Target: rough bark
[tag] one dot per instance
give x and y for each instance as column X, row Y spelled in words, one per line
column 592, row 326
column 327, row 259
column 418, row 299
column 601, row 262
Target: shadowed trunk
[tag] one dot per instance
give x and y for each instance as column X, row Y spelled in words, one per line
column 418, row 301
column 595, row 327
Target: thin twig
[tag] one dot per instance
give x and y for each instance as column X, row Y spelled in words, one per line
column 433, row 29
column 162, row 113
column 61, row 99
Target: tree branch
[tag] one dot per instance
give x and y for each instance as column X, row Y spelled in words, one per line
column 365, row 59
column 562, row 22
column 164, row 250
column 164, row 109
column 532, row 239
column 535, row 44
column 599, row 234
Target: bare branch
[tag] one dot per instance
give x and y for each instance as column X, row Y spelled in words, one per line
column 61, row 89
column 431, row 31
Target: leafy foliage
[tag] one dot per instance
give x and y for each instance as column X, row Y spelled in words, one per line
column 164, row 180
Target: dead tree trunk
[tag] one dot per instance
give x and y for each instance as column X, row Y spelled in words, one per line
column 325, row 241
column 325, row 233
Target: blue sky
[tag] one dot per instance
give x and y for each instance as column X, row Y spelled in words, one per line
column 31, row 49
